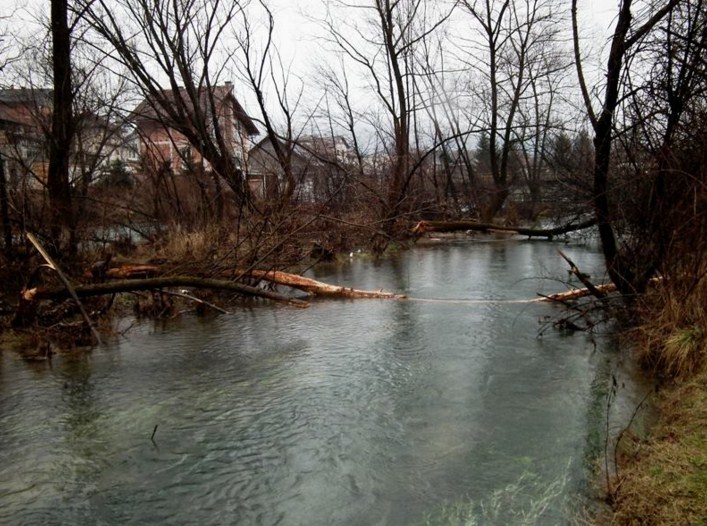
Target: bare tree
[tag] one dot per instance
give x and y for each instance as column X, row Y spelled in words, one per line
column 7, row 52
column 262, row 67
column 5, row 209
column 539, row 118
column 508, row 63
column 667, row 83
column 4, row 201
column 182, row 43
column 380, row 40
column 623, row 42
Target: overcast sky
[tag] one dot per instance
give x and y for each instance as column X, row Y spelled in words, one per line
column 296, row 33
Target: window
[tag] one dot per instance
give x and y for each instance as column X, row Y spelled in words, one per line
column 185, row 155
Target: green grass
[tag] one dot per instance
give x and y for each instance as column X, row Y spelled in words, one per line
column 665, row 479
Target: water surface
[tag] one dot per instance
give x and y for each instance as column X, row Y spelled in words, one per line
column 446, row 408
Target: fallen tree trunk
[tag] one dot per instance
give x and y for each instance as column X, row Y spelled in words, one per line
column 132, row 285
column 314, row 287
column 457, row 226
column 574, row 294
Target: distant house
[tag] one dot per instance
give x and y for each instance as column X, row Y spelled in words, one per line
column 25, row 120
column 317, row 163
column 25, row 128
column 162, row 145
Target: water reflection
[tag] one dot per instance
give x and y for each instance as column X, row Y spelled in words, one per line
column 366, row 412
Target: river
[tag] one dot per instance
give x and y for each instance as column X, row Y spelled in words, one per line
column 446, row 408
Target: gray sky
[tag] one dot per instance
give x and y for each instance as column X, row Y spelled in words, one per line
column 296, row 33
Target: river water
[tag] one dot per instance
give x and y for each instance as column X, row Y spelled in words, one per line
column 446, row 408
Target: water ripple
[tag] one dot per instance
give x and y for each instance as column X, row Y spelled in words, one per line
column 371, row 412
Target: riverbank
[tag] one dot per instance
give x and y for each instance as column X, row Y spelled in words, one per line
column 662, row 478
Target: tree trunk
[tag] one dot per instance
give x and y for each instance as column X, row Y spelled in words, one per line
column 315, row 287
column 4, row 209
column 498, row 199
column 619, row 271
column 63, row 128
column 26, row 311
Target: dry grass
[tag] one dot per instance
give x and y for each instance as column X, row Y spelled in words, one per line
column 289, row 239
column 673, row 336
column 180, row 245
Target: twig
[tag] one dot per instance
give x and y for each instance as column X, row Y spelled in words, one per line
column 152, row 438
column 628, row 426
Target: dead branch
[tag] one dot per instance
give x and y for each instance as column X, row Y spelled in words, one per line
column 69, row 288
column 593, row 290
column 574, row 294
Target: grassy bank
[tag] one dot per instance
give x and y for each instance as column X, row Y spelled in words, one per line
column 662, row 478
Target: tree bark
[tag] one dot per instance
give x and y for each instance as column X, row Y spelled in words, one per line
column 63, row 128
column 4, row 209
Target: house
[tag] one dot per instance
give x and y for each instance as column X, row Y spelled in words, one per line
column 162, row 130
column 25, row 122
column 318, row 166
column 25, row 128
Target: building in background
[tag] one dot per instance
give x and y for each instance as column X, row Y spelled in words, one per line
column 162, row 146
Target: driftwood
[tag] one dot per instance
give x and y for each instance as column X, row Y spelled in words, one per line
column 314, row 287
column 131, row 285
column 464, row 225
